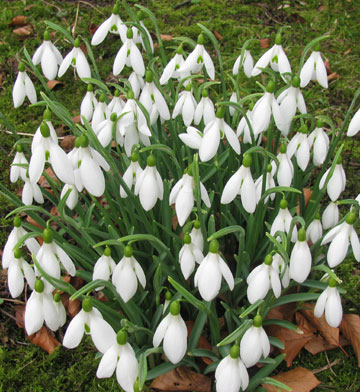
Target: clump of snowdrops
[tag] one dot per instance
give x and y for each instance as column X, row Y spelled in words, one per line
column 183, row 198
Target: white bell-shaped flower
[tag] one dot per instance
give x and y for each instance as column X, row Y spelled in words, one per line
column 299, row 146
column 120, row 356
column 138, row 38
column 172, row 330
column 198, row 58
column 76, row 57
column 241, row 183
column 254, row 344
column 196, row 236
column 285, row 172
column 192, row 138
column 282, row 269
column 23, row 87
column 132, row 173
column 112, row 25
column 182, row 195
column 101, row 113
column 104, row 267
column 341, row 237
column 330, row 216
column 213, row 132
column 88, row 104
column 172, row 68
column 49, row 56
column 106, row 130
column 40, row 307
column 137, row 83
column 330, row 302
column 261, row 279
column 300, row 258
column 319, row 141
column 205, row 109
column 73, row 197
column 153, row 100
column 186, row 105
column 314, row 69
column 337, row 181
column 209, row 275
column 276, row 57
column 126, row 275
column 116, row 105
column 315, row 231
column 247, row 63
column 354, row 126
column 18, row 269
column 231, row 374
column 89, row 320
column 188, row 255
column 60, row 309
column 31, row 191
column 17, row 171
column 129, row 55
column 269, row 183
column 282, row 221
column 149, row 186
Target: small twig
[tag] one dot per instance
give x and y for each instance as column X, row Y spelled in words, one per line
column 76, row 19
column 329, row 366
column 8, row 314
column 52, row 5
column 177, row 6
column 15, row 301
column 29, row 134
column 92, row 6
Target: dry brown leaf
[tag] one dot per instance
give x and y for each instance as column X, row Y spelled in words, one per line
column 92, row 28
column 19, row 315
column 77, row 119
column 298, row 379
column 202, row 343
column 218, row 35
column 333, row 76
column 282, row 312
column 24, row 31
column 68, row 142
column 264, row 43
column 73, row 307
column 44, row 339
column 19, row 20
column 318, row 344
column 43, row 181
column 307, row 196
column 182, row 379
column 347, row 51
column 350, row 327
column 84, row 49
column 166, row 37
column 53, row 83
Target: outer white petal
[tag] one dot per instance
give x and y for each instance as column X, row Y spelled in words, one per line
column 227, row 375
column 65, row 260
column 320, row 303
column 184, row 204
column 265, row 344
column 248, row 193
column 30, row 90
column 307, row 71
column 330, row 235
column 108, row 363
column 66, row 63
column 300, row 261
column 355, row 244
column 192, row 138
column 137, row 61
column 208, row 277
column 101, row 32
column 226, row 273
column 209, row 65
column 161, row 105
column 330, row 216
column 175, row 191
column 333, row 308
column 250, row 347
column 231, row 138
column 82, row 65
column 275, row 283
column 175, row 343
column 148, row 192
column 37, row 163
column 38, row 54
column 262, row 62
column 354, row 126
column 259, row 285
column 160, row 331
column 140, row 273
column 210, row 141
column 248, row 63
column 232, row 187
column 18, row 92
column 34, row 317
column 102, row 333
column 49, row 63
column 335, row 184
column 120, row 60
column 92, row 176
column 204, row 195
column 15, row 278
column 321, row 74
column 188, row 109
column 125, row 280
column 127, row 368
column 187, row 261
column 51, row 315
column 338, row 248
column 61, row 164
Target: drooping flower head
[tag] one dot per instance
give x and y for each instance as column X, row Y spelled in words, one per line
column 300, row 258
column 76, row 58
column 104, row 267
column 314, row 69
column 23, row 87
column 188, row 255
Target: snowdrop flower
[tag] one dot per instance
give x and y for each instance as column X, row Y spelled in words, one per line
column 60, row 308
column 38, row 137
column 113, row 25
column 261, row 279
column 172, row 330
column 182, row 195
column 213, row 132
column 100, row 114
column 285, row 172
column 278, row 264
column 314, row 232
column 231, row 374
column 188, row 255
column 87, row 164
column 330, row 302
column 153, row 100
column 23, row 87
column 198, row 58
column 209, row 274
column 254, row 344
column 126, row 274
column 16, row 171
column 314, row 69
column 300, row 258
column 40, row 307
column 354, row 126
column 138, row 38
column 137, row 83
column 299, row 146
column 106, row 128
column 290, row 100
column 192, row 138
column 15, row 235
column 76, row 57
column 241, row 183
column 319, row 140
column 186, row 104
column 129, row 55
column 49, row 56
column 117, row 104
column 30, row 192
column 264, row 107
column 88, row 104
column 330, row 216
column 132, row 173
column 204, row 109
column 73, row 198
column 172, row 68
column 149, row 185
column 104, row 267
column 277, row 59
column 282, row 221
column 89, row 320
column 48, row 151
column 246, row 62
column 337, row 181
column 18, row 269
column 196, row 236
column 269, row 183
column 340, row 236
column 120, row 356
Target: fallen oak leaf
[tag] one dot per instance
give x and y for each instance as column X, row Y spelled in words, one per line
column 166, row 37
column 218, row 35
column 24, row 31
column 298, row 379
column 350, row 327
column 19, row 20
column 318, row 344
column 45, row 340
column 264, row 43
column 182, row 379
column 333, row 75
column 53, row 83
column 68, row 142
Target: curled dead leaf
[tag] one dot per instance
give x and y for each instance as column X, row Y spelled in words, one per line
column 68, row 142
column 333, row 76
column 92, row 28
column 350, row 327
column 53, row 83
column 166, row 37
column 44, row 339
column 264, row 43
column 318, row 344
column 19, row 20
column 77, row 119
column 218, row 35
column 24, row 31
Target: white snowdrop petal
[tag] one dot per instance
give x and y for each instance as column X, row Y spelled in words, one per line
column 101, row 32
column 307, row 71
column 226, row 273
column 265, row 344
column 227, row 376
column 75, row 331
column 30, row 90
column 262, row 62
column 137, row 61
column 61, row 164
column 120, row 60
column 18, row 92
column 338, row 248
column 102, row 334
column 140, row 273
column 354, row 126
column 126, row 281
column 49, row 63
column 160, row 331
column 66, row 63
column 82, row 65
column 321, row 74
column 108, row 363
column 250, row 347
column 50, row 312
column 38, row 54
column 333, row 308
column 175, row 343
column 127, row 368
column 248, row 193
column 15, row 279
column 231, row 188
column 92, row 176
column 34, row 317
column 65, row 260
column 355, row 244
column 320, row 304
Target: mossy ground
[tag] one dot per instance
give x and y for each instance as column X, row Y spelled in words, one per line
column 24, row 367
